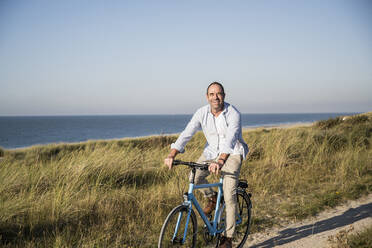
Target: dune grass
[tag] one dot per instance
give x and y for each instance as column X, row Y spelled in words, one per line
column 348, row 239
column 1, row 152
column 361, row 239
column 117, row 193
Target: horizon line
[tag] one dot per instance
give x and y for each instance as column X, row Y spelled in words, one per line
column 77, row 115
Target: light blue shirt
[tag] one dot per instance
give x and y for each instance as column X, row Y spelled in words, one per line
column 230, row 129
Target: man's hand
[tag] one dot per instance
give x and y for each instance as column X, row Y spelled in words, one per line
column 168, row 161
column 214, row 168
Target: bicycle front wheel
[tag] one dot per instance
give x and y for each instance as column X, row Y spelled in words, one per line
column 243, row 219
column 179, row 228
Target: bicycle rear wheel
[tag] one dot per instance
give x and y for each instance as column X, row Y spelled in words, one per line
column 243, row 219
column 172, row 233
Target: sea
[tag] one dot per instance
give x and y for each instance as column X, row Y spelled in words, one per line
column 25, row 131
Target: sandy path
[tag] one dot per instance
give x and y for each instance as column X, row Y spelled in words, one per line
column 314, row 232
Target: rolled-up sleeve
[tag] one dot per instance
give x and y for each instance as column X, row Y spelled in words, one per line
column 232, row 133
column 192, row 127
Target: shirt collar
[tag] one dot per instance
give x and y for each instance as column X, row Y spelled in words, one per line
column 225, row 106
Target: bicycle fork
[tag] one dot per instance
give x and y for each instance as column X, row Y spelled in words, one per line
column 176, row 229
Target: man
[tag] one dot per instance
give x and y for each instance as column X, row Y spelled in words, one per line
column 225, row 147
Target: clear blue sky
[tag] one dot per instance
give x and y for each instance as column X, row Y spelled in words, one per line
column 157, row 57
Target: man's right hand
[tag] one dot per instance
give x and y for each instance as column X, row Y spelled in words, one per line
column 168, row 161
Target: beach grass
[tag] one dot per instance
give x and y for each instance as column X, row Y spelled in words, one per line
column 1, row 152
column 117, row 193
column 349, row 239
column 361, row 239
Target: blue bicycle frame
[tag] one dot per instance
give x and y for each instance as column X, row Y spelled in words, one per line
column 191, row 200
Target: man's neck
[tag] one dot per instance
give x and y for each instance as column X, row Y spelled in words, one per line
column 217, row 112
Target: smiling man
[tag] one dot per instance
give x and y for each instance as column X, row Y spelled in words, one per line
column 225, row 147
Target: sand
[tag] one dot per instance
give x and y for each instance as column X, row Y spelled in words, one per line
column 291, row 125
column 351, row 217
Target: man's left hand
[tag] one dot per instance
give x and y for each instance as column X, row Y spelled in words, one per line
column 214, row 168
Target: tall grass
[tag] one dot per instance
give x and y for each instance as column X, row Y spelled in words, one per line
column 1, row 152
column 348, row 239
column 118, row 193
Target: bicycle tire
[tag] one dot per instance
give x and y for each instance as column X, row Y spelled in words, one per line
column 244, row 211
column 168, row 229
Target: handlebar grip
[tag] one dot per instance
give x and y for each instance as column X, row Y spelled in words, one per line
column 176, row 162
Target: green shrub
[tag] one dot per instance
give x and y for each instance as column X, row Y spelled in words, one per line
column 358, row 119
column 293, row 151
column 330, row 123
column 318, row 138
column 333, row 141
column 336, row 142
column 255, row 153
column 2, row 152
column 360, row 135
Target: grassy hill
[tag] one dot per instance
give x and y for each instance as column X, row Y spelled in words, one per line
column 117, row 193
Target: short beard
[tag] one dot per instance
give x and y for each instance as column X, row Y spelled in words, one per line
column 220, row 107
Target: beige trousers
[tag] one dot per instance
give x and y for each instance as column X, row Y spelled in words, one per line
column 230, row 174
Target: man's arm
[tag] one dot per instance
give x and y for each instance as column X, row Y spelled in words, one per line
column 232, row 133
column 192, row 127
column 222, row 158
column 185, row 136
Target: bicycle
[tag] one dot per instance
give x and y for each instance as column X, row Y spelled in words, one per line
column 180, row 226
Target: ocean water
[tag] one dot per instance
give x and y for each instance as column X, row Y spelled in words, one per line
column 24, row 131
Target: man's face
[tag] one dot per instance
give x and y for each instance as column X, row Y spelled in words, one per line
column 215, row 97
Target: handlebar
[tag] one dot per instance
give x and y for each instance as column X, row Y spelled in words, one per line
column 203, row 166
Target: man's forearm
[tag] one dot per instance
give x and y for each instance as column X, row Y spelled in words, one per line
column 223, row 157
column 173, row 153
